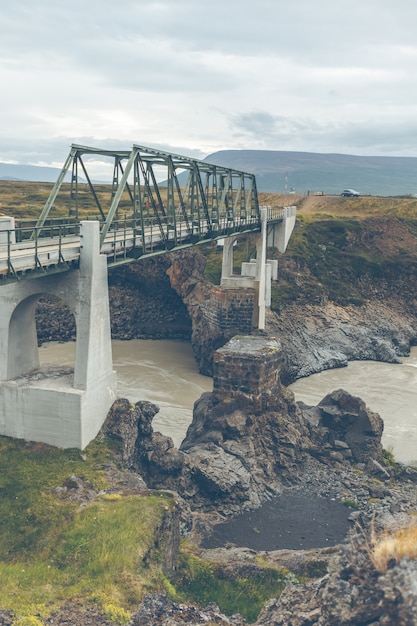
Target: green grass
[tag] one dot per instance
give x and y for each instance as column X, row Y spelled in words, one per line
column 203, row 582
column 52, row 549
column 334, row 256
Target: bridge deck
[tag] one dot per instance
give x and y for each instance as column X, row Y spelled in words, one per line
column 123, row 243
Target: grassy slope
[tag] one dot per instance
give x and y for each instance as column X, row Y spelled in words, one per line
column 53, row 549
column 340, row 245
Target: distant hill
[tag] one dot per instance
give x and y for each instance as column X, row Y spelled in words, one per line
column 31, row 173
column 278, row 171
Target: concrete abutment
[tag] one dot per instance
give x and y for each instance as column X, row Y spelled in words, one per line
column 62, row 410
column 258, row 273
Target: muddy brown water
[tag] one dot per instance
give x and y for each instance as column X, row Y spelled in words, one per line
column 165, row 372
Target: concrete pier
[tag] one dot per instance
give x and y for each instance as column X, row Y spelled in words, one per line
column 65, row 411
column 258, row 273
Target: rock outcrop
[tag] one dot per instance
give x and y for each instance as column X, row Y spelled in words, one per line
column 345, row 428
column 158, row 609
column 353, row 592
column 316, row 337
column 248, row 439
column 149, row 453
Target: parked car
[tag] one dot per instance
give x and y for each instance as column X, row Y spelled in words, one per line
column 349, row 193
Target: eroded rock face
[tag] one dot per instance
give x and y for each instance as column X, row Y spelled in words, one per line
column 317, row 337
column 248, row 439
column 353, row 593
column 187, row 279
column 348, row 420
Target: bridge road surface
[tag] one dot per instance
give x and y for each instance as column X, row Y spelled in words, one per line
column 46, row 252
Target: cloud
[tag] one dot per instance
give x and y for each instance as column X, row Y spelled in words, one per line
column 197, row 78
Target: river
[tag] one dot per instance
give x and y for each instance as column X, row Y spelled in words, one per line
column 160, row 371
column 165, row 372
column 390, row 390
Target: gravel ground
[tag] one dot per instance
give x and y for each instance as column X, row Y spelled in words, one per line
column 295, row 520
column 321, row 510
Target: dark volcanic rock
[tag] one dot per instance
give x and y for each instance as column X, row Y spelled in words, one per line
column 149, row 453
column 353, row 593
column 246, row 437
column 6, row 618
column 157, row 609
column 316, row 337
column 144, row 305
column 349, row 420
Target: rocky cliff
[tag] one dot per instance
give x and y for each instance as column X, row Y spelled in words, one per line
column 338, row 306
column 250, row 443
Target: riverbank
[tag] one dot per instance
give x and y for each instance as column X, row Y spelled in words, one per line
column 296, row 457
column 344, row 305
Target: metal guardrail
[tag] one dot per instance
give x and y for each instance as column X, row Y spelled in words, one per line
column 52, row 247
column 28, row 251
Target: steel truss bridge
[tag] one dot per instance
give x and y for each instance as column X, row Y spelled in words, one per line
column 139, row 216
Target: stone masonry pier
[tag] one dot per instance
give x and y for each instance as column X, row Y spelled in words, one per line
column 247, row 366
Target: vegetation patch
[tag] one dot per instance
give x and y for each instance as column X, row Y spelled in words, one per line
column 390, row 547
column 201, row 582
column 350, row 504
column 53, row 549
column 336, row 258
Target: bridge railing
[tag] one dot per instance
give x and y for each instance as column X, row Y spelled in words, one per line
column 56, row 246
column 28, row 248
column 279, row 213
column 26, row 230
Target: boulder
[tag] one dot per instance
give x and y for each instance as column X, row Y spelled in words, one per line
column 158, row 609
column 351, row 425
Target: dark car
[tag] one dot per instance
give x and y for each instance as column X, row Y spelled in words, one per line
column 349, row 193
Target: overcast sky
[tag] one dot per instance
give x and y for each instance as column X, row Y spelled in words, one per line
column 194, row 76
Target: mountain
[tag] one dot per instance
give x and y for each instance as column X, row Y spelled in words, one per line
column 34, row 173
column 279, row 171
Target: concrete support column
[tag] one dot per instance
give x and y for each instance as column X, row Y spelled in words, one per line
column 93, row 356
column 280, row 233
column 7, row 230
column 62, row 410
column 227, row 260
column 261, row 269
